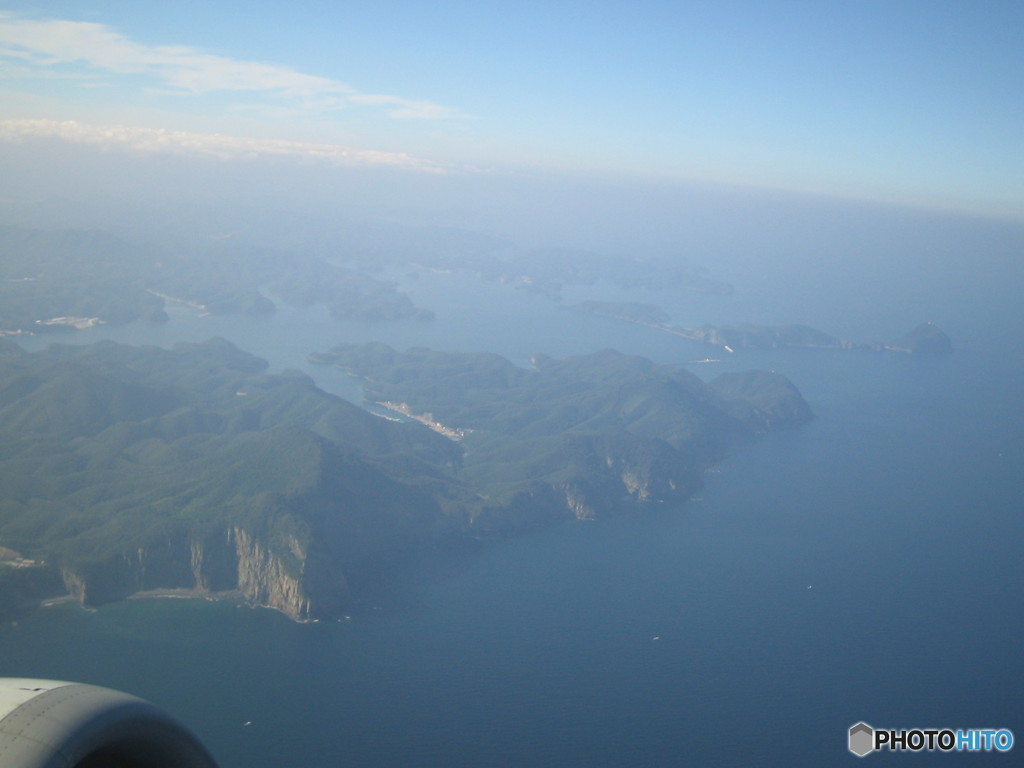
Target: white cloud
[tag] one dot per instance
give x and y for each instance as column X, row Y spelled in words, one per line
column 59, row 43
column 215, row 145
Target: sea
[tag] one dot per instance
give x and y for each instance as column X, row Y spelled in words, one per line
column 864, row 567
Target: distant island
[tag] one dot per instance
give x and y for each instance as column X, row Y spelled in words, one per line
column 61, row 281
column 629, row 311
column 130, row 469
column 545, row 271
column 925, row 339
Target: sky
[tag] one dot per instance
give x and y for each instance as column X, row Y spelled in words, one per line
column 916, row 103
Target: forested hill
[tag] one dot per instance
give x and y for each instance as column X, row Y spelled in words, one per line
column 598, row 431
column 134, row 468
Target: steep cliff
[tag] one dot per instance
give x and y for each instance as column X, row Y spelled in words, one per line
column 294, row 551
column 265, row 579
column 234, row 561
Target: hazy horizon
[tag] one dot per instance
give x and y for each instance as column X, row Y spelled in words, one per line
column 890, row 103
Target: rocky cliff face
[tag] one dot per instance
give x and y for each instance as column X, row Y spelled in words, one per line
column 232, row 560
column 264, row 579
column 625, row 482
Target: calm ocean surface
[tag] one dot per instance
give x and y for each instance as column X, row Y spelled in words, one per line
column 864, row 567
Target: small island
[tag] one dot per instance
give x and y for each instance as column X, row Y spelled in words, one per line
column 628, row 311
column 925, row 339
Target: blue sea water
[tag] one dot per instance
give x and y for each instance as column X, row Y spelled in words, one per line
column 863, row 567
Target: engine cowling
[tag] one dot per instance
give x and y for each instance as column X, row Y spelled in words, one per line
column 54, row 724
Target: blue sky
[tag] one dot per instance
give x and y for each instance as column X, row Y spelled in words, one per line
column 919, row 102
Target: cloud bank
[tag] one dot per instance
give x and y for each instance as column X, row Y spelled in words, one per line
column 215, row 145
column 40, row 47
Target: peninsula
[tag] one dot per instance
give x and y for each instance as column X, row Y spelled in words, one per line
column 131, row 469
column 588, row 434
column 925, row 339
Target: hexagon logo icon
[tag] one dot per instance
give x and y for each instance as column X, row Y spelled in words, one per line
column 862, row 739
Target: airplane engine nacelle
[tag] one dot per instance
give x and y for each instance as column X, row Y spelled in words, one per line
column 52, row 724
